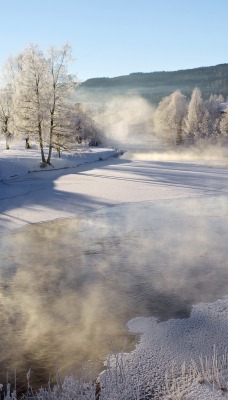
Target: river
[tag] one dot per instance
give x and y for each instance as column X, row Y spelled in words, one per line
column 68, row 287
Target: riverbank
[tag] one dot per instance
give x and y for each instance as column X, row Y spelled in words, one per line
column 27, row 190
column 91, row 179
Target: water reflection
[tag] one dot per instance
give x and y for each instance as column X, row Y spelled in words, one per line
column 69, row 286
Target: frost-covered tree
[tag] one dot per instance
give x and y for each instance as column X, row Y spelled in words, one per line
column 6, row 112
column 212, row 106
column 178, row 121
column 224, row 123
column 7, row 89
column 63, row 136
column 160, row 124
column 84, row 126
column 196, row 121
column 203, row 118
column 31, row 97
column 168, row 118
column 176, row 113
column 59, row 85
column 41, row 99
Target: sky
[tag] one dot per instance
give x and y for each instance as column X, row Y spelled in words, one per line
column 117, row 37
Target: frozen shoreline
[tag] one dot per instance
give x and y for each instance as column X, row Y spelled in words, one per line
column 182, row 340
column 24, row 185
column 178, row 359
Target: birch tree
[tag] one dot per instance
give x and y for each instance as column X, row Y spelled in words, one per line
column 30, row 99
column 7, row 89
column 60, row 83
column 6, row 112
column 42, row 103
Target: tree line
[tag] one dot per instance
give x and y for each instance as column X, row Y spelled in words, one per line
column 37, row 100
column 181, row 121
column 153, row 86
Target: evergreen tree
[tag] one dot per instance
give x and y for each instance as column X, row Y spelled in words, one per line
column 195, row 121
column 168, row 118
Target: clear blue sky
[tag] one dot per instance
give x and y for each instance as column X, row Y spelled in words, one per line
column 117, row 37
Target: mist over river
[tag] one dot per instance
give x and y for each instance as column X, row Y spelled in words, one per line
column 68, row 287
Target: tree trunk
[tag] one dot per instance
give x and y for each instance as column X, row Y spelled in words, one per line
column 27, row 143
column 179, row 139
column 6, row 133
column 51, row 138
column 59, row 151
column 41, row 143
column 7, row 140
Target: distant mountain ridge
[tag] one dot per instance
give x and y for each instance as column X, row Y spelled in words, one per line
column 155, row 85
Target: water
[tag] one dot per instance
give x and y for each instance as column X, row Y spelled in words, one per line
column 68, row 287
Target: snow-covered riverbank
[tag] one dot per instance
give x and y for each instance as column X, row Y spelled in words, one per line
column 92, row 179
column 166, row 345
column 31, row 194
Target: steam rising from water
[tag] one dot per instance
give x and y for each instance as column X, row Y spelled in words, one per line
column 68, row 286
column 127, row 122
column 125, row 118
column 201, row 153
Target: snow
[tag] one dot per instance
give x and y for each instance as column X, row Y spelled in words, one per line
column 82, row 182
column 94, row 178
column 181, row 340
column 31, row 194
column 223, row 107
column 17, row 161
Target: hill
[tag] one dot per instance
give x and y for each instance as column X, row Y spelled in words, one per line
column 155, row 85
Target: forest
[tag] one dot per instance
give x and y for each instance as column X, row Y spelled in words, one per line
column 180, row 121
column 153, row 86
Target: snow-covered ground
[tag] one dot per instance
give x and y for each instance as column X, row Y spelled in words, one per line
column 179, row 341
column 93, row 179
column 29, row 193
column 90, row 179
